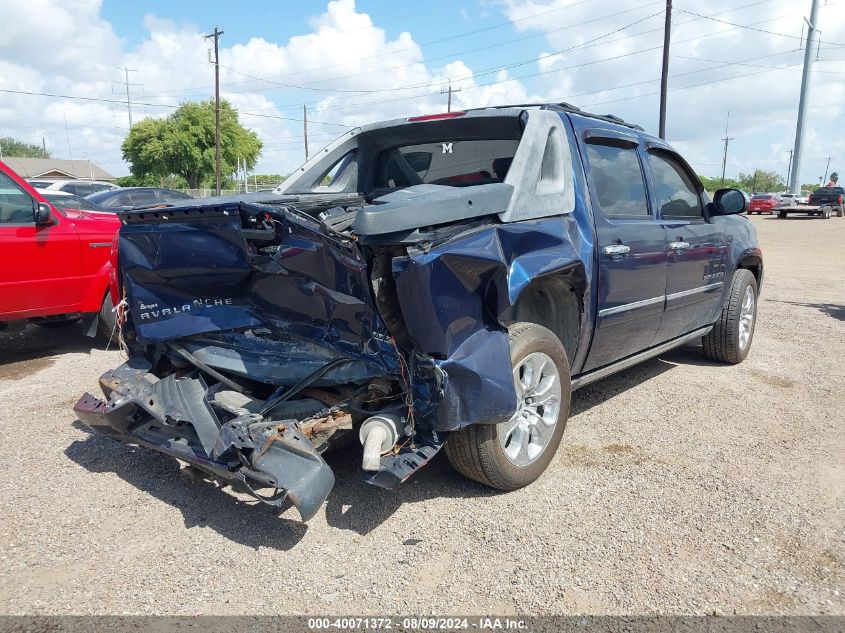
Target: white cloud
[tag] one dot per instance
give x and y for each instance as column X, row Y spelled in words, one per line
column 350, row 72
column 763, row 106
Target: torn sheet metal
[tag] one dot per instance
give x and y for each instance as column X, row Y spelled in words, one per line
column 453, row 298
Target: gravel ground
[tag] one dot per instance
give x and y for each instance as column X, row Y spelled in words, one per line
column 682, row 487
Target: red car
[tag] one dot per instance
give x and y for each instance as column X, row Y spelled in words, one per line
column 763, row 203
column 56, row 262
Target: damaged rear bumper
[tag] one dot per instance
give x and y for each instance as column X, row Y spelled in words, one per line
column 173, row 416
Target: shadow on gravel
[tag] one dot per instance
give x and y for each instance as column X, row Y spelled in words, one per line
column 833, row 310
column 598, row 392
column 351, row 505
column 29, row 347
column 361, row 507
column 201, row 503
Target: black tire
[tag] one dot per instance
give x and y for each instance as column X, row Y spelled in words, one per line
column 724, row 342
column 107, row 319
column 476, row 451
column 826, row 214
column 781, row 214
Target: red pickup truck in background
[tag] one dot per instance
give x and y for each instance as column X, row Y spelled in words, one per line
column 56, row 264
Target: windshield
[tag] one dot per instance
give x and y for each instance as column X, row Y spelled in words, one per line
column 446, row 162
column 71, row 202
column 829, row 190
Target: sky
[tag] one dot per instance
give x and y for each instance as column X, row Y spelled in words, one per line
column 351, row 62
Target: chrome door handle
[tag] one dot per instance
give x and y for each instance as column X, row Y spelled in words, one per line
column 616, row 250
column 679, row 246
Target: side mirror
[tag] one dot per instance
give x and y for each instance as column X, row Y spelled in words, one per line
column 43, row 214
column 730, row 201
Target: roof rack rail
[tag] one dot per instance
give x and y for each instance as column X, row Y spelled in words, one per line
column 565, row 107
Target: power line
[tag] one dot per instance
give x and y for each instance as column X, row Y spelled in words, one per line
column 751, row 28
column 581, row 46
column 155, row 105
column 555, row 70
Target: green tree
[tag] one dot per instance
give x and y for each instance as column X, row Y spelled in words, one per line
column 14, row 147
column 183, row 144
column 714, row 184
column 761, row 180
column 266, row 179
column 150, row 180
column 834, row 176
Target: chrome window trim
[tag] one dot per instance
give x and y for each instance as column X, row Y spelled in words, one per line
column 631, row 306
column 647, row 302
column 692, row 291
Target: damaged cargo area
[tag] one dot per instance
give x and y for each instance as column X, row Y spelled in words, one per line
column 366, row 303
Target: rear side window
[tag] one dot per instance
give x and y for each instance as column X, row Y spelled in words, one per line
column 123, row 200
column 172, row 196
column 448, row 162
column 83, row 190
column 143, row 196
column 674, row 189
column 618, row 180
column 70, row 187
column 15, row 203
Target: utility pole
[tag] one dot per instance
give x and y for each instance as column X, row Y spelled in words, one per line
column 70, row 153
column 725, row 156
column 126, row 72
column 305, row 129
column 788, row 170
column 664, row 77
column 449, row 90
column 826, row 168
column 216, row 35
column 794, row 177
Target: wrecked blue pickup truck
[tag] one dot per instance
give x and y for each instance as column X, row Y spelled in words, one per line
column 435, row 282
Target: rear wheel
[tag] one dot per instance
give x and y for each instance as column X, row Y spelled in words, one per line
column 781, row 214
column 827, row 213
column 107, row 319
column 514, row 453
column 730, row 338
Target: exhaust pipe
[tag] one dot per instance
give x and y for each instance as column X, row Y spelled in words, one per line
column 378, row 434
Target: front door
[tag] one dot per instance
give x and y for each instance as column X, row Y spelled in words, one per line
column 39, row 269
column 632, row 253
column 698, row 252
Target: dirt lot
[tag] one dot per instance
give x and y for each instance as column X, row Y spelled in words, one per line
column 682, row 486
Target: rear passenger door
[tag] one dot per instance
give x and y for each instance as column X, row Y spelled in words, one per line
column 631, row 245
column 696, row 246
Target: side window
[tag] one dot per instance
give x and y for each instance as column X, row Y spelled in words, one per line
column 15, row 203
column 675, row 191
column 618, row 180
column 87, row 190
column 337, row 172
column 123, row 200
column 70, row 187
column 171, row 196
column 143, row 196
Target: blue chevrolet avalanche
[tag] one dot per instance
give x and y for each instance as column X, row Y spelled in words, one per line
column 439, row 281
